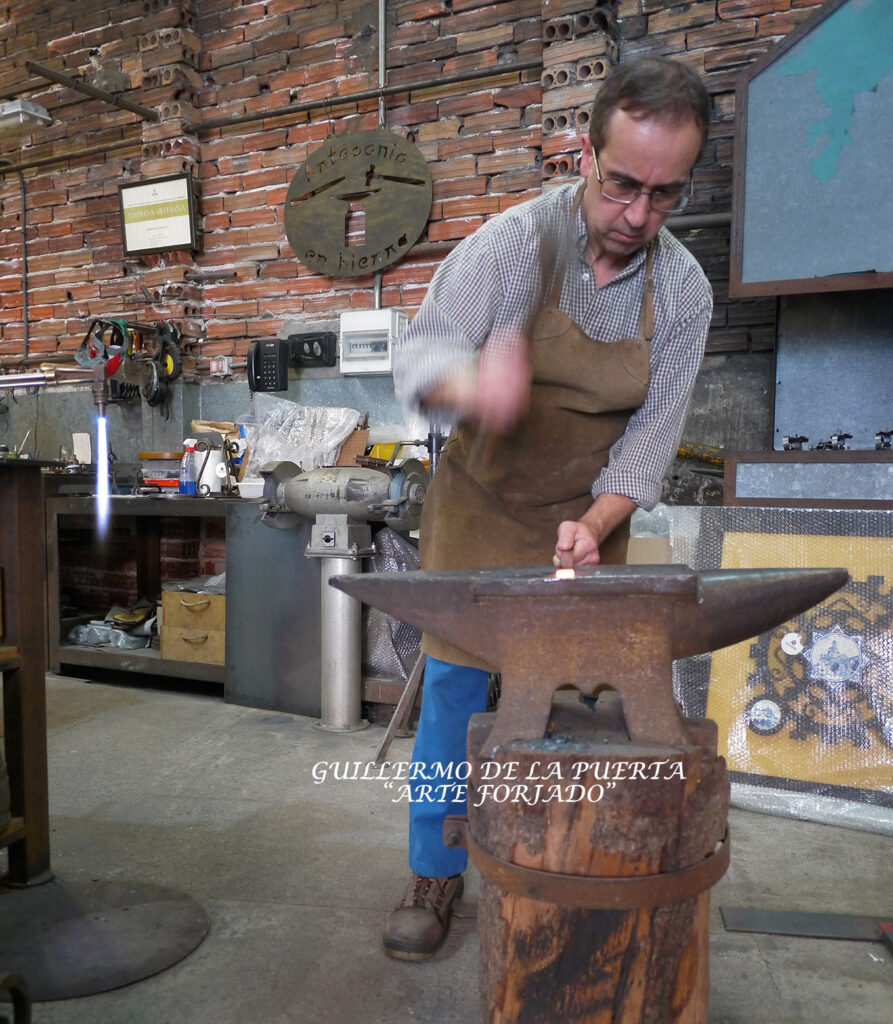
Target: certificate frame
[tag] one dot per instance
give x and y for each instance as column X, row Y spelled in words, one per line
column 159, row 214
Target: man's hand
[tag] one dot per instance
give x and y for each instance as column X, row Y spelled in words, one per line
column 503, row 384
column 577, row 545
column 495, row 393
column 578, row 540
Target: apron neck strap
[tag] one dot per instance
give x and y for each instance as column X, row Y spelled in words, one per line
column 646, row 310
column 567, row 248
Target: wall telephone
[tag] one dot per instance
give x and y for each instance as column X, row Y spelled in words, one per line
column 269, row 360
column 268, row 365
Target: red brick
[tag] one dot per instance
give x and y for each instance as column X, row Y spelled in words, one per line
column 781, row 24
column 750, row 8
column 722, row 33
column 493, row 121
column 445, row 129
column 517, row 181
column 482, row 143
column 460, row 187
column 460, row 167
column 734, row 56
column 409, row 35
column 496, row 163
column 475, row 103
column 471, row 206
column 421, row 9
column 453, row 228
column 523, row 95
column 682, row 16
column 484, row 39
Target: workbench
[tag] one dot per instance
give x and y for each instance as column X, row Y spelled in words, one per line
column 272, row 599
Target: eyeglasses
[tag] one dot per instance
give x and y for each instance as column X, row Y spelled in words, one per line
column 671, row 199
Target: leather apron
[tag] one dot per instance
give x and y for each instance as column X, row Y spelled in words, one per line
column 499, row 503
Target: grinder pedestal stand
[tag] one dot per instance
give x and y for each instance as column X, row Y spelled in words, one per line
column 341, row 543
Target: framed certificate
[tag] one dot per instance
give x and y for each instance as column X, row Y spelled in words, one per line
column 159, row 214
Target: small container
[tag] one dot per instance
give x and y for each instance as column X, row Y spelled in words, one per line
column 157, row 466
column 187, row 470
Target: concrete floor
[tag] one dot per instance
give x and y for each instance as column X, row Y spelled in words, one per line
column 219, row 801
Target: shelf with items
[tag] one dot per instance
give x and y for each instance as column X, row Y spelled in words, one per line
column 129, row 562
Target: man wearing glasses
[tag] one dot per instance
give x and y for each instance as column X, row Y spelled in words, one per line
column 562, row 339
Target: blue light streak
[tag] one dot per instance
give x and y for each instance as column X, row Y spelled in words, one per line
column 102, row 474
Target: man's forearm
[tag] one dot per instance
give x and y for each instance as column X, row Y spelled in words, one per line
column 579, row 539
column 455, row 394
column 606, row 513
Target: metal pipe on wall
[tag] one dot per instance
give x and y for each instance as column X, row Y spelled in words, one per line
column 382, row 60
column 367, row 94
column 382, row 111
column 78, row 154
column 146, row 113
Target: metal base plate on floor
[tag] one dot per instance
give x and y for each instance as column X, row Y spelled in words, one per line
column 72, row 939
column 854, row 927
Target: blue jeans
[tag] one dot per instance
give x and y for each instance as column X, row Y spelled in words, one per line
column 451, row 694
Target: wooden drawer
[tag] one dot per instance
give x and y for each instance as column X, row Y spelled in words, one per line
column 193, row 643
column 194, row 611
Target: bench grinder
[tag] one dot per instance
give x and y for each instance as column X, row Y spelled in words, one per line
column 343, row 500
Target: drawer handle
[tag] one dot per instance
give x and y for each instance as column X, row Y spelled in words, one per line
column 195, row 604
column 194, row 639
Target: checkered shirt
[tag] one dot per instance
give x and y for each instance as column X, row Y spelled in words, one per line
column 491, row 281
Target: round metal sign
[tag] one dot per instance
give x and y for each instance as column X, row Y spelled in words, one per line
column 378, row 172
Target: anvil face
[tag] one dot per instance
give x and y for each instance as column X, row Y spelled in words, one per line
column 617, row 626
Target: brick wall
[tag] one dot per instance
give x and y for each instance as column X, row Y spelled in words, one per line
column 94, row 576
column 488, row 143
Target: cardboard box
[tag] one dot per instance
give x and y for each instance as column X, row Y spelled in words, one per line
column 187, row 643
column 194, row 611
column 193, row 626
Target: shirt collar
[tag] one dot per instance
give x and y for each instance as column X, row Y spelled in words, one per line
column 637, row 260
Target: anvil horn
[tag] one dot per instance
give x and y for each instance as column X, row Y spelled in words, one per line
column 734, row 605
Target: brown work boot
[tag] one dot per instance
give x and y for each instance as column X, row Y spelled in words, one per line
column 417, row 928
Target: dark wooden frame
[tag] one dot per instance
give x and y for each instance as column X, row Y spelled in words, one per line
column 732, row 460
column 746, row 289
column 22, row 552
column 195, row 232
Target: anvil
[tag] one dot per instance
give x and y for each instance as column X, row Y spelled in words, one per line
column 611, row 627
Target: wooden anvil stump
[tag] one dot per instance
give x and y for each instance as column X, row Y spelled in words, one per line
column 621, row 842
column 597, row 831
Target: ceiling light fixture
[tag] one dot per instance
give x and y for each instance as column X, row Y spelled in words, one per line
column 23, row 114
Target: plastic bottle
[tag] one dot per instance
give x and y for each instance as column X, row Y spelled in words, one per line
column 187, row 470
